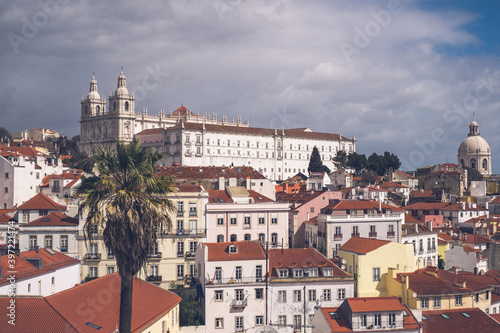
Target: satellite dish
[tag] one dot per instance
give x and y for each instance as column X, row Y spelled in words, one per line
column 343, row 267
column 306, row 270
column 344, row 261
column 414, row 294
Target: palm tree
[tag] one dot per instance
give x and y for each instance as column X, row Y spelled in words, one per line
column 126, row 200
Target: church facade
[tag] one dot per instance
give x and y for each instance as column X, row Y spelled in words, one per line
column 474, row 151
column 200, row 140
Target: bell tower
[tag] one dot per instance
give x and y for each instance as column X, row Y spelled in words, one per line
column 121, row 109
column 93, row 108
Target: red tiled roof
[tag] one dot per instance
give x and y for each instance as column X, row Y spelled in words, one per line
column 313, row 220
column 34, row 314
column 206, row 173
column 478, row 321
column 214, row 196
column 41, row 201
column 405, row 174
column 362, row 245
column 411, row 219
column 389, row 184
column 344, row 205
column 300, row 258
column 475, row 239
column 374, row 304
column 246, row 251
column 188, row 188
column 53, row 219
column 426, row 206
column 4, row 218
column 336, row 325
column 148, row 301
column 495, row 200
column 25, row 269
column 420, row 194
column 299, row 198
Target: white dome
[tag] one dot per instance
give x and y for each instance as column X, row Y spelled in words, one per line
column 93, row 95
column 474, row 144
column 122, row 91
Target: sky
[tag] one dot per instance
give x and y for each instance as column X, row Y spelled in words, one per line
column 404, row 76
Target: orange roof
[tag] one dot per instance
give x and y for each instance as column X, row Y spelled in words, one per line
column 405, row 174
column 300, row 258
column 41, row 201
column 478, row 321
column 35, row 315
column 53, row 219
column 344, row 205
column 4, row 218
column 206, row 173
column 148, row 301
column 362, row 245
column 411, row 219
column 374, row 304
column 25, row 269
column 421, row 193
column 246, row 251
column 336, row 325
column 215, row 196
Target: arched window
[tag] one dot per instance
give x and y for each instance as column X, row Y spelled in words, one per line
column 274, row 238
column 248, row 237
column 114, row 106
column 98, row 109
column 86, row 109
column 462, row 163
column 233, row 238
column 262, row 237
column 126, row 106
column 220, row 238
column 473, row 164
column 485, row 164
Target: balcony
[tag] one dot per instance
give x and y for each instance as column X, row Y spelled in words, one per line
column 190, row 255
column 64, row 249
column 180, row 254
column 244, row 280
column 92, row 257
column 188, row 154
column 56, row 189
column 239, row 304
column 193, row 212
column 180, row 213
column 90, row 278
column 154, row 256
column 391, row 234
column 355, row 234
column 154, row 278
column 246, row 226
column 372, row 234
column 337, row 237
column 111, row 256
column 186, row 232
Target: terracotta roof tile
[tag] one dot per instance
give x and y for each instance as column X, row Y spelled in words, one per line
column 374, row 304
column 336, row 325
column 53, row 219
column 204, row 173
column 411, row 219
column 478, row 321
column 148, row 301
column 34, row 314
column 362, row 245
column 41, row 201
column 5, row 218
column 246, row 251
column 344, row 205
column 421, row 193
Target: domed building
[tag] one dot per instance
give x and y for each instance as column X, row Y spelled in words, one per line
column 474, row 151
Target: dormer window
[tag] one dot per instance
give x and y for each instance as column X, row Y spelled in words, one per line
column 283, row 273
column 233, row 249
column 298, row 273
column 327, row 272
column 313, row 272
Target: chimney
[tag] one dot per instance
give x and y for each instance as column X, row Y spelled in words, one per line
column 470, row 205
column 487, row 205
column 222, row 183
column 429, row 225
column 308, row 216
column 248, row 183
column 463, row 205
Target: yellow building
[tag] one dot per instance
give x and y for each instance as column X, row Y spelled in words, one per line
column 431, row 288
column 369, row 260
column 172, row 261
column 444, row 244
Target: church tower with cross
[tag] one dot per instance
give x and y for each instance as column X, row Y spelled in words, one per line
column 474, row 151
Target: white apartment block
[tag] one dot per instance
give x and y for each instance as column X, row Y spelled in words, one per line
column 344, row 219
column 237, row 297
column 237, row 214
column 424, row 242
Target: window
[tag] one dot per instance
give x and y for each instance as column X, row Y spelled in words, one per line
column 218, row 296
column 111, row 269
column 297, row 322
column 92, row 271
column 154, row 270
column 258, row 273
column 376, row 273
column 6, row 189
column 282, row 296
column 262, row 237
column 48, row 242
column 259, row 320
column 274, row 238
column 6, row 175
column 282, row 320
column 297, row 295
column 239, row 324
column 33, row 243
column 180, row 249
column 192, row 209
column 233, row 238
column 259, row 293
column 261, row 220
column 192, row 246
column 312, row 295
column 355, row 230
column 437, row 302
column 238, row 273
column 298, row 272
column 327, row 294
column 219, row 322
column 233, row 220
column 220, row 238
column 476, row 297
column 424, row 303
column 220, row 220
column 283, row 273
column 180, row 208
column 247, row 221
column 274, row 219
column 377, row 320
column 362, row 321
column 218, row 273
column 247, row 237
column 64, row 243
column 392, row 319
column 458, row 300
column 180, row 272
column 43, row 212
column 341, row 294
column 487, row 294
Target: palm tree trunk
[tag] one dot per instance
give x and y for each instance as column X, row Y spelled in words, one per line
column 126, row 303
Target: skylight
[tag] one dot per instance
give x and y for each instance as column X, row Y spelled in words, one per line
column 424, row 318
column 93, row 325
column 333, row 315
column 445, row 316
column 466, row 315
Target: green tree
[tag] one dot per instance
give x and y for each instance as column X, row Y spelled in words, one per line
column 440, row 262
column 340, row 160
column 391, row 161
column 315, row 162
column 357, row 162
column 128, row 202
column 376, row 163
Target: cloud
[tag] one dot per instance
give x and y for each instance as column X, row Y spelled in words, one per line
column 257, row 59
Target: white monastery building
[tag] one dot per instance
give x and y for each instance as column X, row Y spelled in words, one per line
column 202, row 140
